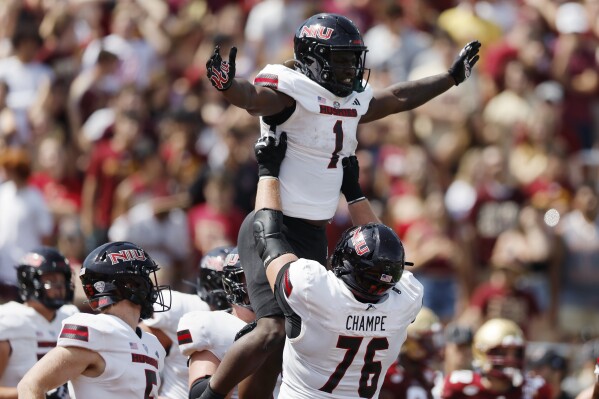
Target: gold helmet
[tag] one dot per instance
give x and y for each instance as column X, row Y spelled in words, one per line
column 498, row 348
column 423, row 336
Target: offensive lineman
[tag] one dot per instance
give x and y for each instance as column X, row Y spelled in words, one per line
column 29, row 330
column 106, row 355
column 318, row 99
column 346, row 326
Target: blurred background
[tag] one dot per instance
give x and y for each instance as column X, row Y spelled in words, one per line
column 109, row 130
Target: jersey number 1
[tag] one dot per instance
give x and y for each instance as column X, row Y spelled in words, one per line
column 352, row 344
column 151, row 380
column 338, row 130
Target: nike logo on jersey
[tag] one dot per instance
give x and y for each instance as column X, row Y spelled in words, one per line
column 356, row 102
column 370, row 306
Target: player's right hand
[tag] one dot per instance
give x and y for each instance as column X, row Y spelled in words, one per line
column 270, row 154
column 221, row 73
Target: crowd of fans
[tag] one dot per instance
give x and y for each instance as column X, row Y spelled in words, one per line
column 109, row 130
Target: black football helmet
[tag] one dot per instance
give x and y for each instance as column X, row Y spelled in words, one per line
column 121, row 270
column 234, row 281
column 33, row 266
column 370, row 259
column 210, row 278
column 317, row 39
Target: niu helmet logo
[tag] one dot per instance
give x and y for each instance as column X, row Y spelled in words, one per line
column 358, row 241
column 220, row 76
column 317, row 31
column 231, row 259
column 127, row 255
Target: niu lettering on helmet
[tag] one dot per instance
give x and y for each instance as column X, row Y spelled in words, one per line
column 359, row 242
column 317, row 31
column 127, row 255
column 231, row 260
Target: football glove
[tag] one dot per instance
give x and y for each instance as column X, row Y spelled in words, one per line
column 465, row 61
column 221, row 73
column 350, row 186
column 269, row 154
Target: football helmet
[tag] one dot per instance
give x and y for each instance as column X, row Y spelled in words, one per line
column 33, row 266
column 210, row 283
column 122, row 270
column 234, row 280
column 491, row 346
column 369, row 259
column 317, row 39
column 424, row 337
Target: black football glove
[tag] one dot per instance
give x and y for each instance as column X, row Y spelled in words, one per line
column 350, row 186
column 221, row 73
column 462, row 66
column 270, row 154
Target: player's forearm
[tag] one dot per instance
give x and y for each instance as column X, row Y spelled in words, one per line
column 30, row 390
column 361, row 213
column 413, row 94
column 240, row 93
column 268, row 194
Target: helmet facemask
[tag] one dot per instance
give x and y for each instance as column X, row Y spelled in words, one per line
column 235, row 287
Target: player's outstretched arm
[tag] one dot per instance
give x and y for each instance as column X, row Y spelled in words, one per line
column 271, row 245
column 405, row 96
column 258, row 101
column 358, row 205
column 57, row 367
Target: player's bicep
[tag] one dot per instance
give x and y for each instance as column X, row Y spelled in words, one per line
column 284, row 287
column 383, row 103
column 62, row 364
column 201, row 364
column 267, row 101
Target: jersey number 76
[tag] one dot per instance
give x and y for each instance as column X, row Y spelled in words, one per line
column 368, row 386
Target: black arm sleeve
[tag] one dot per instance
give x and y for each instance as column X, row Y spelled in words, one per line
column 293, row 323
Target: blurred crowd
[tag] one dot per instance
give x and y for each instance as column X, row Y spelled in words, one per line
column 109, row 130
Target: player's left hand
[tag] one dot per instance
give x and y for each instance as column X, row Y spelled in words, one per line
column 350, row 185
column 270, row 154
column 221, row 73
column 465, row 61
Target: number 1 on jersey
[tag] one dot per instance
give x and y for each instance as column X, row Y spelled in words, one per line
column 338, row 131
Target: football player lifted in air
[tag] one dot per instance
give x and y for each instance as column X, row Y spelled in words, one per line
column 318, row 98
column 107, row 355
column 29, row 330
column 498, row 350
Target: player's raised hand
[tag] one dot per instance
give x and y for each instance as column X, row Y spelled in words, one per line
column 464, row 62
column 350, row 186
column 221, row 73
column 270, row 154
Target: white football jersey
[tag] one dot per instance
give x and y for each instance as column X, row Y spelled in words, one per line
column 133, row 363
column 175, row 374
column 320, row 132
column 20, row 334
column 345, row 346
column 208, row 331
